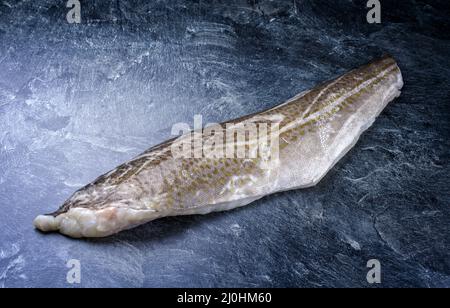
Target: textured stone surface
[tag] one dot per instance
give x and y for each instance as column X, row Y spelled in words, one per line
column 77, row 100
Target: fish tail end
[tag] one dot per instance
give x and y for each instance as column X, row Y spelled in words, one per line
column 46, row 223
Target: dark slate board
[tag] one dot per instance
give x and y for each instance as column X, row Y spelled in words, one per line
column 77, row 100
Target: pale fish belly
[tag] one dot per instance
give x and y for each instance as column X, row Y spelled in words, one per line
column 314, row 130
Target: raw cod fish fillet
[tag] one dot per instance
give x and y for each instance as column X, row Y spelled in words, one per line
column 315, row 129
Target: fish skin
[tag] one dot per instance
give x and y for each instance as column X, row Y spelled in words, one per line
column 315, row 129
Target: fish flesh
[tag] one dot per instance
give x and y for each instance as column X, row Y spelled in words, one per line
column 310, row 133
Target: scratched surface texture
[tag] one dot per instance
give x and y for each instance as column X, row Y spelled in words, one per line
column 77, row 100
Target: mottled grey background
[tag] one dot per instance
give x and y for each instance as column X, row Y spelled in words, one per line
column 77, row 100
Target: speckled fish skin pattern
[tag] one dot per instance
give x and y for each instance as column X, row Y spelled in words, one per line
column 77, row 100
column 316, row 128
